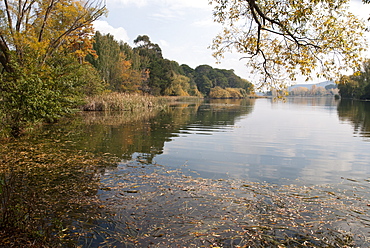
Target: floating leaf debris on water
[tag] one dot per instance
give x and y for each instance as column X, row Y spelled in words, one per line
column 90, row 201
column 198, row 212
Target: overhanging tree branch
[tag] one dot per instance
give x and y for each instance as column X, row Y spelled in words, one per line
column 286, row 37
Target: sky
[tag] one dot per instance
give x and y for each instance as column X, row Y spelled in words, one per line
column 184, row 29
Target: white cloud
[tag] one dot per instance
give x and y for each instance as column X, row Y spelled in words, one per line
column 163, row 43
column 103, row 27
column 172, row 4
column 166, row 13
column 175, row 9
column 138, row 3
column 180, row 4
column 208, row 22
column 360, row 9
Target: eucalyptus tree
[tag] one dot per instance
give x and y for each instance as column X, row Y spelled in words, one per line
column 285, row 38
column 107, row 60
column 160, row 69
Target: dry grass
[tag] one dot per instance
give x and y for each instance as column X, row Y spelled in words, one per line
column 123, row 102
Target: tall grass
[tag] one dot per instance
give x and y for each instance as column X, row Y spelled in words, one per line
column 123, row 102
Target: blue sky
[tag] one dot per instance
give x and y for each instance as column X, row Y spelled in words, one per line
column 183, row 29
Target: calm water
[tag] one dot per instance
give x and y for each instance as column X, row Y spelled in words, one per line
column 313, row 140
column 305, row 140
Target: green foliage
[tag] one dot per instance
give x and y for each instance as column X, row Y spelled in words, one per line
column 204, row 84
column 160, row 70
column 207, row 77
column 108, row 57
column 36, row 95
column 120, row 65
column 356, row 86
column 42, row 49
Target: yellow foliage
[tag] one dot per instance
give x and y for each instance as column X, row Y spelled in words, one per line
column 130, row 79
column 283, row 39
column 180, row 86
column 53, row 27
column 234, row 93
column 220, row 93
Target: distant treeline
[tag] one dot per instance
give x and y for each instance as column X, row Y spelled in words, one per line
column 329, row 90
column 142, row 68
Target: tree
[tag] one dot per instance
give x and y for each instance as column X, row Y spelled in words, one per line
column 356, row 86
column 107, row 61
column 207, row 77
column 283, row 39
column 117, row 63
column 42, row 48
column 42, row 28
column 300, row 91
column 204, row 84
column 348, row 87
column 160, row 69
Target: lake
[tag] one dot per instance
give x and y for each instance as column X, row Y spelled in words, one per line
column 300, row 140
column 235, row 173
column 212, row 173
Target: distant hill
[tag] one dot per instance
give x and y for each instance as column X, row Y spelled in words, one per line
column 309, row 86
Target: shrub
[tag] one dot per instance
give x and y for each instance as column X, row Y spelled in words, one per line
column 219, row 93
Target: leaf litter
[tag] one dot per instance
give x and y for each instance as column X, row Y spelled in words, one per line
column 85, row 200
column 153, row 206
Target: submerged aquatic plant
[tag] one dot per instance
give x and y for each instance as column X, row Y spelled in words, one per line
column 154, row 206
column 76, row 198
column 44, row 188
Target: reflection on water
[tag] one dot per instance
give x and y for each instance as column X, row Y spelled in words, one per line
column 143, row 138
column 306, row 139
column 357, row 113
column 303, row 140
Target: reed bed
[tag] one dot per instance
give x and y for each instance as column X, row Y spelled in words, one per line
column 123, row 102
column 117, row 118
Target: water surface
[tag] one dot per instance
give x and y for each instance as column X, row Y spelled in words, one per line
column 313, row 140
column 304, row 140
column 319, row 147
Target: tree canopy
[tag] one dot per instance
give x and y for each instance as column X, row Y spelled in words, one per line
column 283, row 39
column 41, row 28
column 356, row 86
column 43, row 45
column 143, row 69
